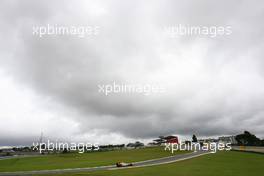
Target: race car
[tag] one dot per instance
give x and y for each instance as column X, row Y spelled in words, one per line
column 122, row 164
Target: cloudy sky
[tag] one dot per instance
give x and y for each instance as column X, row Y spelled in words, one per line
column 213, row 85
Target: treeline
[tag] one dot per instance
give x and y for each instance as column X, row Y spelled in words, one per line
column 248, row 139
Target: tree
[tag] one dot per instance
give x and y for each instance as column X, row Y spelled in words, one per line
column 138, row 144
column 130, row 145
column 194, row 138
column 248, row 139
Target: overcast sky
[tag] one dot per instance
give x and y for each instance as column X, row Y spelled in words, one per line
column 213, row 85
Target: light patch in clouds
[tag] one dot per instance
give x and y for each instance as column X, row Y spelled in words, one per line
column 24, row 115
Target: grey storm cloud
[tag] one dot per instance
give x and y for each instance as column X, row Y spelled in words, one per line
column 213, row 86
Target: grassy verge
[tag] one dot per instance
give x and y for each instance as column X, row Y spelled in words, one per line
column 219, row 164
column 74, row 160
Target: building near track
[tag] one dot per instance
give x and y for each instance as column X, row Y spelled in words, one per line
column 165, row 139
column 228, row 139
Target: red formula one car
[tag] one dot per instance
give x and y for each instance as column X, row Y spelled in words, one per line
column 122, row 164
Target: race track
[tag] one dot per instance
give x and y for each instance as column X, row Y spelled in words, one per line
column 146, row 163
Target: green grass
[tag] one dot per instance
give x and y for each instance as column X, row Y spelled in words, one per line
column 220, row 164
column 74, row 160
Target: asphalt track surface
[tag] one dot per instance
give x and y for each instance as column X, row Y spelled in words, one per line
column 146, row 163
